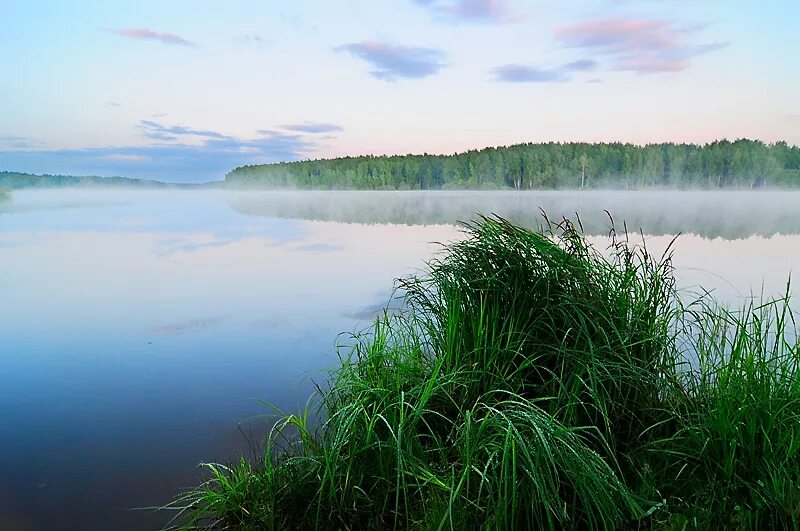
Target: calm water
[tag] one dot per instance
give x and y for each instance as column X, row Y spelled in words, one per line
column 137, row 329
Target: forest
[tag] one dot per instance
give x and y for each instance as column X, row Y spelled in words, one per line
column 14, row 180
column 723, row 164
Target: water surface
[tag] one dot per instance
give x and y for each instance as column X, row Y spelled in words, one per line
column 137, row 328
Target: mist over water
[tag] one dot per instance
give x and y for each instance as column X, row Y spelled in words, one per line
column 727, row 215
column 139, row 327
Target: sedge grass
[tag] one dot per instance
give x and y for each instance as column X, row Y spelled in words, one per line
column 532, row 382
column 735, row 458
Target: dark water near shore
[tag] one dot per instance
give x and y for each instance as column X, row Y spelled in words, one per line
column 137, row 328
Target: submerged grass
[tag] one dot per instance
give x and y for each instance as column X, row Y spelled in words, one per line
column 532, row 382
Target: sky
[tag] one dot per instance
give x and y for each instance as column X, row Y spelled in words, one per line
column 184, row 91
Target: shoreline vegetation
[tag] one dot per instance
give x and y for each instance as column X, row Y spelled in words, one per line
column 739, row 165
column 529, row 381
column 16, row 181
column 742, row 164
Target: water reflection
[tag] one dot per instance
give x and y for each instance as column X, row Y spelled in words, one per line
column 710, row 214
column 138, row 327
column 137, row 331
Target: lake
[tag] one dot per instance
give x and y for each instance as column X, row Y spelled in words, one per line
column 139, row 330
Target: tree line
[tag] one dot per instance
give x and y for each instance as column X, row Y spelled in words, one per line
column 14, row 180
column 720, row 164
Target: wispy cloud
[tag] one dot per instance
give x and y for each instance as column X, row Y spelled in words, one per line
column 126, row 158
column 114, row 104
column 480, row 11
column 637, row 44
column 516, row 73
column 582, row 65
column 182, row 154
column 148, row 34
column 254, row 39
column 314, row 128
column 157, row 131
column 179, row 154
column 393, row 61
column 18, row 142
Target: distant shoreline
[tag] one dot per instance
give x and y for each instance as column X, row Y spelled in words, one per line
column 21, row 181
column 721, row 165
column 744, row 164
column 13, row 181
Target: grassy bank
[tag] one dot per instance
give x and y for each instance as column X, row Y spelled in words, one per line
column 534, row 382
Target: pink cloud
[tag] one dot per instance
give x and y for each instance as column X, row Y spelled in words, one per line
column 645, row 64
column 489, row 11
column 480, row 9
column 636, row 44
column 148, row 34
column 620, row 34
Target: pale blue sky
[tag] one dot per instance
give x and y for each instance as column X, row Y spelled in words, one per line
column 186, row 90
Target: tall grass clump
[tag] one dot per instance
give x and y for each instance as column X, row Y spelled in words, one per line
column 547, row 316
column 735, row 457
column 533, row 382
